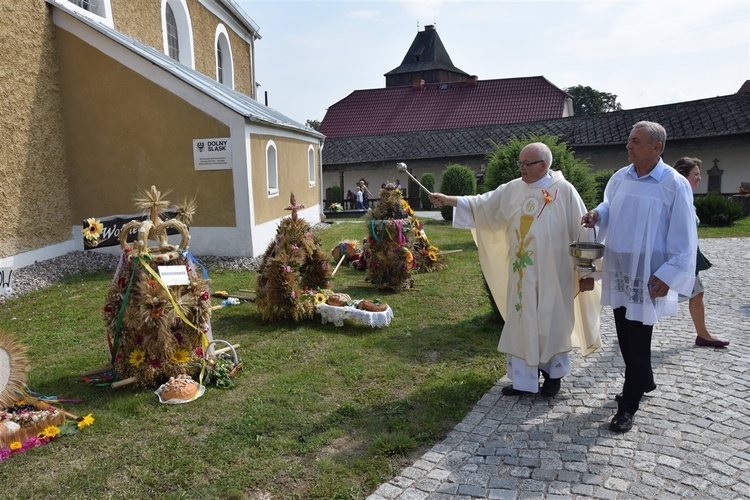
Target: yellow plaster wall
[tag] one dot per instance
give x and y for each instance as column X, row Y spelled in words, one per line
column 141, row 19
column 291, row 155
column 34, row 209
column 124, row 133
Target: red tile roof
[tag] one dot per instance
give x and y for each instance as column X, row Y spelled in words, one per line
column 442, row 106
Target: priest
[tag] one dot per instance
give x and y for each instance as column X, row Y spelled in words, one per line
column 523, row 230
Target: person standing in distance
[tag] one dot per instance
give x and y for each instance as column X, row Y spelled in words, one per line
column 646, row 221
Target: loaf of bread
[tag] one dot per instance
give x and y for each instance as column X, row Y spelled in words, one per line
column 338, row 300
column 183, row 388
column 368, row 305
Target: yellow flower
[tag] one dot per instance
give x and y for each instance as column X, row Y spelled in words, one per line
column 320, row 298
column 181, row 356
column 433, row 248
column 432, row 256
column 51, row 431
column 137, row 357
column 94, row 229
column 16, row 445
column 409, row 256
column 84, row 422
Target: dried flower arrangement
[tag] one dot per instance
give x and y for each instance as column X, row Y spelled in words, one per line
column 26, row 421
column 388, row 247
column 293, row 270
column 154, row 330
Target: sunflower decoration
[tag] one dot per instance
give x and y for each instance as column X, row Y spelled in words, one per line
column 427, row 256
column 92, row 231
column 292, row 267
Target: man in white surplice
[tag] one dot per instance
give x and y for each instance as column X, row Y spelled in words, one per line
column 523, row 230
column 648, row 222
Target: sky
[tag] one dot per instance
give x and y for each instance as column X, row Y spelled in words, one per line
column 313, row 54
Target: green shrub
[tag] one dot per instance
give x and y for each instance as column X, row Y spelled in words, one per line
column 715, row 210
column 601, row 178
column 337, row 194
column 502, row 168
column 458, row 180
column 428, row 181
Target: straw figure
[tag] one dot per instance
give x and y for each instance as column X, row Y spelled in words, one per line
column 156, row 331
column 292, row 272
column 389, row 245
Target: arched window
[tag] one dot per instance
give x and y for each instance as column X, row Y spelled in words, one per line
column 98, row 10
column 224, row 60
column 272, row 169
column 177, row 32
column 173, row 40
column 311, row 166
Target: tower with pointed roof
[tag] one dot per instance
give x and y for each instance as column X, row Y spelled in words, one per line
column 425, row 60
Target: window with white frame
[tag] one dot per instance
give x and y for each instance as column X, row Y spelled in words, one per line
column 272, row 169
column 98, row 10
column 177, row 32
column 224, row 60
column 311, row 165
column 173, row 39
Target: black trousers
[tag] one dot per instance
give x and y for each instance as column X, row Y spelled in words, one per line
column 635, row 346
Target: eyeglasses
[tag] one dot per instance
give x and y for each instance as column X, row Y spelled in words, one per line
column 522, row 164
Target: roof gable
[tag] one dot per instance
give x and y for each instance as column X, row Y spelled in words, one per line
column 443, row 106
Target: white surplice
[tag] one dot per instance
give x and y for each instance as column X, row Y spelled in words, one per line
column 647, row 220
column 524, row 250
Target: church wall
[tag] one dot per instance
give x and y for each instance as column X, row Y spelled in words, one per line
column 33, row 191
column 292, row 163
column 125, row 133
column 141, row 19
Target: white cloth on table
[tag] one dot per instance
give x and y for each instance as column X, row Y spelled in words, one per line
column 337, row 315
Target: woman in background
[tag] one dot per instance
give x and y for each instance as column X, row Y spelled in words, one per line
column 691, row 169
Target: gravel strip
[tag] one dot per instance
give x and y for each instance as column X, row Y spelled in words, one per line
column 43, row 274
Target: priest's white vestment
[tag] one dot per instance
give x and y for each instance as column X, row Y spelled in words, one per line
column 523, row 234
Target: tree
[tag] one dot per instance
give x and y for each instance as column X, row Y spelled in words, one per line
column 588, row 101
column 458, row 180
column 313, row 124
column 502, row 167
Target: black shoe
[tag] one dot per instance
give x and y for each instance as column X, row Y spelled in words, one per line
column 622, row 422
column 550, row 387
column 508, row 390
column 618, row 396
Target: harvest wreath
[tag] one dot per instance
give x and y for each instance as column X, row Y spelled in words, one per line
column 27, row 421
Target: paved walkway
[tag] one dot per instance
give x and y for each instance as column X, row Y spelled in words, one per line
column 691, row 437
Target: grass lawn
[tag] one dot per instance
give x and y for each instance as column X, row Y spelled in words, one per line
column 740, row 229
column 318, row 411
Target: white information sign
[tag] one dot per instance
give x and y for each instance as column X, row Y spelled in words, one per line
column 174, row 275
column 6, row 283
column 212, row 154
